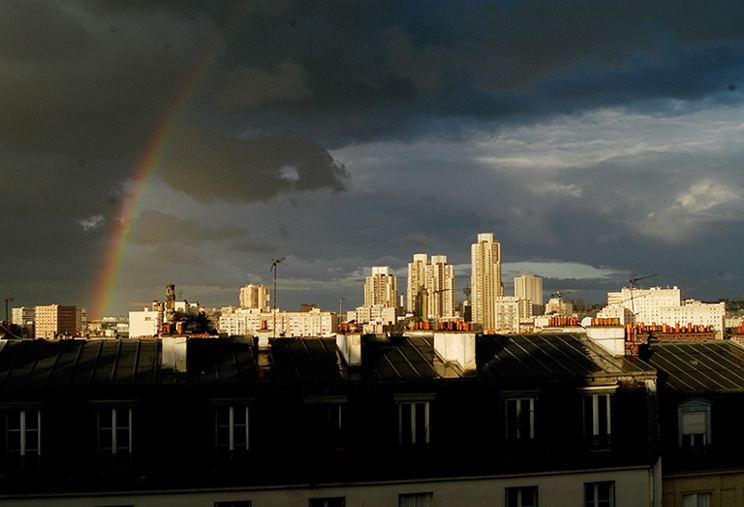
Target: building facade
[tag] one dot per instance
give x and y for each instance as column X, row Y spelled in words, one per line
column 24, row 317
column 256, row 297
column 381, row 288
column 445, row 418
column 485, row 280
column 54, row 320
column 431, row 287
column 248, row 322
column 665, row 306
column 530, row 287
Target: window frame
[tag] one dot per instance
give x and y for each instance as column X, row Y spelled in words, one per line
column 596, row 427
column 521, row 491
column 422, row 499
column 694, row 406
column 237, row 410
column 697, row 496
column 114, row 428
column 408, row 410
column 327, row 414
column 21, row 413
column 513, row 430
column 593, row 489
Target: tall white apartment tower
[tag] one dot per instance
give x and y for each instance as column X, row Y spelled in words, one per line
column 416, row 284
column 255, row 296
column 381, row 288
column 530, row 287
column 485, row 280
column 431, row 287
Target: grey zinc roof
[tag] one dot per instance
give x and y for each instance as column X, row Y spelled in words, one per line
column 42, row 363
column 550, row 355
column 699, row 366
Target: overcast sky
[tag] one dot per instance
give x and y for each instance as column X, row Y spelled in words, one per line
column 598, row 141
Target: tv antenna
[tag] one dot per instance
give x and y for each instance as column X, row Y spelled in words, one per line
column 273, row 268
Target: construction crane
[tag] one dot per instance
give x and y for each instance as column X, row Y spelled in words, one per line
column 273, row 268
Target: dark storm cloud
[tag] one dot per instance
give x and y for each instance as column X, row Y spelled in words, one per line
column 154, row 227
column 214, row 166
column 268, row 92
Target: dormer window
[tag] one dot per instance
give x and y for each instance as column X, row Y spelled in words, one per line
column 414, row 414
column 694, row 428
column 231, row 427
column 520, row 418
column 22, row 434
column 597, row 416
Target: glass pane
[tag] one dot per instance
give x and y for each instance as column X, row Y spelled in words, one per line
column 105, row 436
column 588, row 415
column 602, row 423
column 525, row 418
column 32, row 419
column 105, row 418
column 512, row 497
column 511, row 419
column 406, row 436
column 421, row 424
column 13, row 421
column 122, row 439
column 223, row 436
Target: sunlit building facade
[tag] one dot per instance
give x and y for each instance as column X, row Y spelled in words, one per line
column 255, row 296
column 431, row 287
column 530, row 287
column 485, row 280
column 381, row 288
column 54, row 320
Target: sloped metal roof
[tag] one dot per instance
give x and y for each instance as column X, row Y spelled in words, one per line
column 550, row 355
column 699, row 366
column 41, row 363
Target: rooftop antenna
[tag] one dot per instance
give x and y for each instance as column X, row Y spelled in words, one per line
column 273, row 268
column 632, row 304
column 7, row 316
column 340, row 302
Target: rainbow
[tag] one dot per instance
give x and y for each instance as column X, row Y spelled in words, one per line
column 110, row 270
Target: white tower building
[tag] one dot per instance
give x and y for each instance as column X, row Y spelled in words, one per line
column 255, row 296
column 431, row 287
column 485, row 280
column 530, row 287
column 381, row 288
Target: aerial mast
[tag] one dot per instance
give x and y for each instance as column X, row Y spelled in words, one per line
column 632, row 304
column 273, row 268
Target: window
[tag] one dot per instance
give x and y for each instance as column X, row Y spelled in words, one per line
column 694, row 424
column 413, row 422
column 415, row 500
column 325, row 420
column 338, row 501
column 597, row 420
column 520, row 418
column 238, row 503
column 599, row 494
column 521, row 497
column 114, row 430
column 23, row 432
column 231, row 428
column 696, row 500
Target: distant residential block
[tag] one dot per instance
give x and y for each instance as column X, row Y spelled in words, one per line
column 54, row 320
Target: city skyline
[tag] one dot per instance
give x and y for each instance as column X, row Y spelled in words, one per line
column 145, row 144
